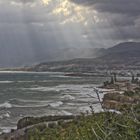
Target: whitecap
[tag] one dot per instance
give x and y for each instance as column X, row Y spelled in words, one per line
column 29, row 106
column 22, row 103
column 59, row 76
column 43, row 89
column 5, row 105
column 84, row 109
column 102, row 90
column 66, row 88
column 25, row 81
column 18, row 100
column 56, row 104
column 71, row 104
column 5, row 115
column 63, row 112
column 6, row 82
column 6, row 129
column 114, row 111
column 68, row 97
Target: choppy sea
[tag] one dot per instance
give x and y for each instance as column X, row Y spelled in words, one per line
column 44, row 93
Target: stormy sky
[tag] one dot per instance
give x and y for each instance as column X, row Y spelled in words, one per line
column 33, row 31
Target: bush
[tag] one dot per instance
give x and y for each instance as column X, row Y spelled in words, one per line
column 101, row 126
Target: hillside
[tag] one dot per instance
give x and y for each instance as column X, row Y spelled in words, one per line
column 123, row 50
column 122, row 56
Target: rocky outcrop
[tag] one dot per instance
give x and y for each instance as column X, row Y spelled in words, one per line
column 27, row 121
column 118, row 101
column 111, row 104
column 120, row 98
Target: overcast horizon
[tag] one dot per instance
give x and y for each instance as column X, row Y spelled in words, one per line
column 33, row 31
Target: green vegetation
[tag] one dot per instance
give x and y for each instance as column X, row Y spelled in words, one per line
column 101, row 126
column 135, row 93
column 27, row 121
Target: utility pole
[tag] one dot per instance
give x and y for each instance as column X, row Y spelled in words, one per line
column 98, row 96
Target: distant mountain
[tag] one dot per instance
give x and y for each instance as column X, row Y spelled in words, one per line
column 122, row 56
column 128, row 49
column 123, row 53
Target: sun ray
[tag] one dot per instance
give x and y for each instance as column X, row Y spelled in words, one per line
column 70, row 12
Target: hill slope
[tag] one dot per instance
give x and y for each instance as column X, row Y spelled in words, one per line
column 122, row 56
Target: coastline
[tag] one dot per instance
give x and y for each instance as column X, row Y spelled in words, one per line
column 54, row 120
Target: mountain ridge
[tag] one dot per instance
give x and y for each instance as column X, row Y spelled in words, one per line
column 124, row 55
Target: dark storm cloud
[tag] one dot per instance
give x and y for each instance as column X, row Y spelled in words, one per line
column 126, row 10
column 31, row 33
column 22, row 1
column 130, row 7
column 121, row 17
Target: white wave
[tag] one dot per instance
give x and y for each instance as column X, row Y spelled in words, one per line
column 9, row 72
column 63, row 112
column 64, row 76
column 6, row 115
column 77, row 89
column 18, row 100
column 60, row 76
column 30, row 72
column 56, row 104
column 6, row 129
column 29, row 106
column 66, row 88
column 6, row 82
column 114, row 111
column 5, row 105
column 84, row 109
column 68, row 97
column 104, row 90
column 21, row 103
column 71, row 104
column 25, row 81
column 43, row 89
column 86, row 100
column 81, row 93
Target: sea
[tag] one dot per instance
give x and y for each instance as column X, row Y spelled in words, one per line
column 25, row 94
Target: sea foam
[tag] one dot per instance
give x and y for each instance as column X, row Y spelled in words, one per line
column 68, row 97
column 56, row 104
column 6, row 82
column 5, row 105
column 6, row 115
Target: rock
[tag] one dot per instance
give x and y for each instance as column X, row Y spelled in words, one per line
column 119, row 98
column 118, row 101
column 27, row 121
column 111, row 104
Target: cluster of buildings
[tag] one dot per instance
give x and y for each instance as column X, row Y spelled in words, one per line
column 122, row 85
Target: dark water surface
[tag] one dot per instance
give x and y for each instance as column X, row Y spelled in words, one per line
column 37, row 94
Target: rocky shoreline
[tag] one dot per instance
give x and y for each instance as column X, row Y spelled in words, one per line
column 126, row 93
